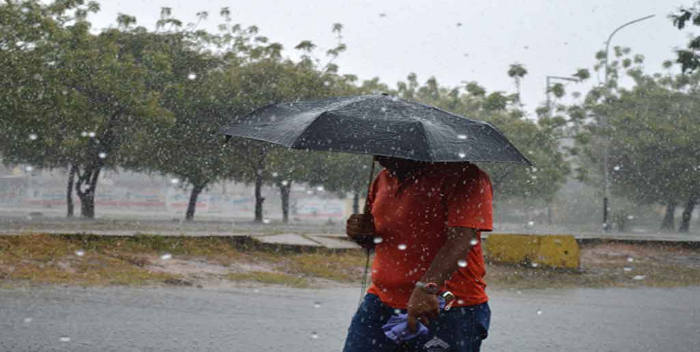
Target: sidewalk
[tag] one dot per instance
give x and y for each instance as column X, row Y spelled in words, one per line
column 293, row 234
column 337, row 240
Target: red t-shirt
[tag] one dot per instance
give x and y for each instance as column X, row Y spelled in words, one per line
column 412, row 218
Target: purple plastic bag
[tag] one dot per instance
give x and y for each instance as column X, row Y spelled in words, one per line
column 397, row 327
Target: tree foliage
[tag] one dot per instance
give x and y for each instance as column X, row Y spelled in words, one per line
column 689, row 58
column 651, row 160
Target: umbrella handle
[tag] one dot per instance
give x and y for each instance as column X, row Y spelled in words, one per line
column 369, row 186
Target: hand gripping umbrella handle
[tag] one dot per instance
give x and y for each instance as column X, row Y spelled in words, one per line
column 369, row 186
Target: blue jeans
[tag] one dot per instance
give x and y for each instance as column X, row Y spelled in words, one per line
column 459, row 329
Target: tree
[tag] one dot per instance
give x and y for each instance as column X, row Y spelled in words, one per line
column 689, row 58
column 517, row 71
column 90, row 96
column 262, row 78
column 287, row 166
column 33, row 96
column 193, row 90
column 651, row 160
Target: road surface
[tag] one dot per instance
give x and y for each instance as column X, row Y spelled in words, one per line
column 274, row 319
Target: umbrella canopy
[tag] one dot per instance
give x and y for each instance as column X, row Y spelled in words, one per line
column 377, row 125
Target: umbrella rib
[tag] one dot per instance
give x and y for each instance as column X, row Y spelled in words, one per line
column 427, row 141
column 296, row 140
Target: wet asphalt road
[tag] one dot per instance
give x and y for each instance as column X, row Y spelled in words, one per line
column 274, row 319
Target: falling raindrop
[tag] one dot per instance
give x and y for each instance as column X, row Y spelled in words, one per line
column 274, row 174
column 102, row 155
column 462, row 155
column 33, row 136
column 83, row 134
column 192, row 76
column 639, row 277
column 462, row 263
column 530, row 223
column 630, row 217
column 166, row 256
column 397, row 311
column 319, row 188
column 378, row 240
column 539, row 312
column 535, row 265
column 460, row 301
column 29, row 168
column 65, row 92
column 91, row 134
column 314, row 335
column 80, row 252
column 383, row 109
column 285, row 183
column 266, row 221
column 616, row 168
column 64, row 339
column 462, row 136
column 317, row 304
column 630, row 259
column 473, row 241
column 627, row 268
column 401, row 246
column 28, row 320
column 174, row 181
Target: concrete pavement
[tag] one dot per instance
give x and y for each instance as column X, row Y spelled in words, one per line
column 301, row 235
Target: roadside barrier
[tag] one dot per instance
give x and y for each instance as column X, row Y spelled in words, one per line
column 552, row 251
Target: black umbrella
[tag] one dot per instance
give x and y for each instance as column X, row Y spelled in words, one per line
column 377, row 125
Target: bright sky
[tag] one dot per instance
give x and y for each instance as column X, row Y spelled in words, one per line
column 455, row 41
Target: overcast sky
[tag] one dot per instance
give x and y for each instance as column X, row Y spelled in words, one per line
column 455, row 41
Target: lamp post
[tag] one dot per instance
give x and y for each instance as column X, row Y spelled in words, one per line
column 606, row 143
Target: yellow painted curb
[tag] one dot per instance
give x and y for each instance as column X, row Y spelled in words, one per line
column 553, row 251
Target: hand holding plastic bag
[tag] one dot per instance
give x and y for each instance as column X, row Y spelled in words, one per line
column 397, row 327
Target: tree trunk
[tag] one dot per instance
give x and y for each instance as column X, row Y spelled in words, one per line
column 668, row 222
column 69, row 192
column 259, row 199
column 284, row 193
column 87, row 195
column 687, row 214
column 192, row 204
column 356, row 202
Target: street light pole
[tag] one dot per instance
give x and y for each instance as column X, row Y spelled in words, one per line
column 606, row 148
